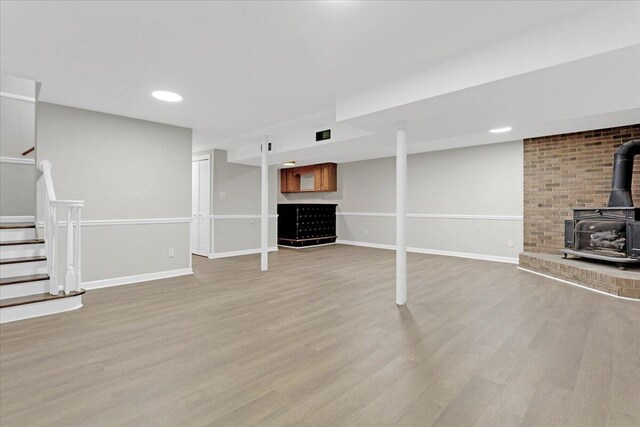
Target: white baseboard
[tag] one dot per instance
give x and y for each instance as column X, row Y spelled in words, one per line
column 228, row 254
column 578, row 285
column 482, row 257
column 365, row 244
column 24, row 218
column 127, row 280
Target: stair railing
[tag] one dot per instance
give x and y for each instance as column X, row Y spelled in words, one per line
column 72, row 278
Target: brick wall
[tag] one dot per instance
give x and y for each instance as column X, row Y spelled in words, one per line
column 568, row 171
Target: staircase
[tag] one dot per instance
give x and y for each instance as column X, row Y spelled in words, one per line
column 24, row 281
column 29, row 283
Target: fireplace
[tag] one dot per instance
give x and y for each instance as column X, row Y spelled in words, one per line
column 611, row 233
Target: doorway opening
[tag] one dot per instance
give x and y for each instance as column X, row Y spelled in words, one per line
column 201, row 205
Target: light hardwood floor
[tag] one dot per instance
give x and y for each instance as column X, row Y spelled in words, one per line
column 318, row 341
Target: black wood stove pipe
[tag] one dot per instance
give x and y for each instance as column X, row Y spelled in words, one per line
column 623, row 174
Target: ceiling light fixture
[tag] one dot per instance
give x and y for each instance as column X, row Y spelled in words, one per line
column 164, row 95
column 289, row 163
column 501, row 130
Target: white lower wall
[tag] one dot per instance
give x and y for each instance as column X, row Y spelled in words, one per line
column 475, row 237
column 120, row 251
column 240, row 235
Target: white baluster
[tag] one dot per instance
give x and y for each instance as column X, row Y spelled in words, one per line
column 51, row 256
column 76, row 253
column 69, row 273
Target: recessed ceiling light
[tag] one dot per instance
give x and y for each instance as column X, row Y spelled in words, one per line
column 289, row 163
column 501, row 130
column 164, row 95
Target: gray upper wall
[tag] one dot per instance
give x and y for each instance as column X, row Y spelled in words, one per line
column 122, row 168
column 242, row 187
column 480, row 180
column 17, row 134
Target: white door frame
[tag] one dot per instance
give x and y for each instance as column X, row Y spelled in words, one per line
column 210, row 234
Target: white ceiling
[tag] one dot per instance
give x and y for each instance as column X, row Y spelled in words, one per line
column 250, row 68
column 240, row 66
column 584, row 94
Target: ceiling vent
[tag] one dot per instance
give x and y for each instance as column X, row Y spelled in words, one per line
column 323, row 135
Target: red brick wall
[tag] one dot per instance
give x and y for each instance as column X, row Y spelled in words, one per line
column 568, row 171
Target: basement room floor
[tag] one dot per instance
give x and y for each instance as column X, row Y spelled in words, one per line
column 318, row 340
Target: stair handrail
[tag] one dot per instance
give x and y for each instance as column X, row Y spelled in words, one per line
column 73, row 277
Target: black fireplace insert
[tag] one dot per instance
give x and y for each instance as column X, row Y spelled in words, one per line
column 612, row 233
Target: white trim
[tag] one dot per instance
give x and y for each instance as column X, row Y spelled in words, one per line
column 37, row 309
column 127, row 280
column 389, row 214
column 17, row 161
column 24, row 218
column 201, row 158
column 228, row 254
column 482, row 257
column 249, row 216
column 471, row 217
column 579, row 285
column 366, row 244
column 306, row 247
column 17, row 97
column 438, row 216
column 99, row 222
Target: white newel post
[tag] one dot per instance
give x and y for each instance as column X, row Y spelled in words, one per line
column 264, row 214
column 401, row 215
column 72, row 274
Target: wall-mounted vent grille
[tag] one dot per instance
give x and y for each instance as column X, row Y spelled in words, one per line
column 323, row 135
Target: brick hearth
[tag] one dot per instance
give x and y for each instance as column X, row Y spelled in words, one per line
column 601, row 276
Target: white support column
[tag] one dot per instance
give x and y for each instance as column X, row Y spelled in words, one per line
column 401, row 214
column 264, row 214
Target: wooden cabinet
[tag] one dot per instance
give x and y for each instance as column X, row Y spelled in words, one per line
column 325, row 178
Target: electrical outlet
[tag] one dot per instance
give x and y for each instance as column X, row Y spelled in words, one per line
column 222, row 195
column 366, row 232
column 510, row 243
column 172, row 253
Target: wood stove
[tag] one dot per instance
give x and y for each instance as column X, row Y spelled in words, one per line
column 612, row 233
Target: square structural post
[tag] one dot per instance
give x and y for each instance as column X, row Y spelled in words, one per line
column 401, row 215
column 264, row 212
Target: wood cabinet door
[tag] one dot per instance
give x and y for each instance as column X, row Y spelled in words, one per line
column 284, row 178
column 318, row 176
column 293, row 181
column 329, row 178
column 325, row 177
